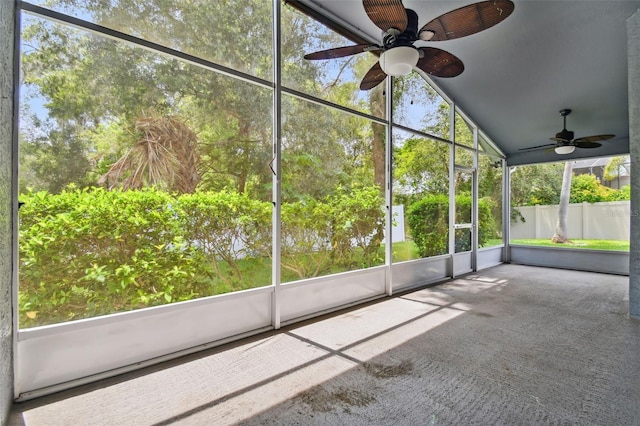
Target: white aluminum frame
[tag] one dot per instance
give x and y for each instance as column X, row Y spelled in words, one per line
column 56, row 357
column 276, row 225
column 463, row 263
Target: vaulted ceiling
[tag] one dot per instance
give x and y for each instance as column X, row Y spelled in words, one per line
column 546, row 56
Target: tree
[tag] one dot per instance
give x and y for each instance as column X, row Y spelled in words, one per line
column 490, row 188
column 614, row 167
column 536, row 184
column 422, row 166
column 164, row 155
column 89, row 85
column 51, row 158
column 376, row 98
column 560, row 235
column 153, row 121
column 588, row 188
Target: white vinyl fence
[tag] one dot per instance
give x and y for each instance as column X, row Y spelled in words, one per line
column 597, row 221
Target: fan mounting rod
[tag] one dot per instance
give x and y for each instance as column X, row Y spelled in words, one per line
column 564, row 113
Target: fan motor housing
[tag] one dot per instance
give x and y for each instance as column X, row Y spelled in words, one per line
column 565, row 134
column 394, row 38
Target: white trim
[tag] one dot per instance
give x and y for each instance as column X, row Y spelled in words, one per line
column 414, row 273
column 67, row 352
column 488, row 257
column 321, row 294
column 142, row 313
column 131, row 367
column 13, row 284
column 388, row 184
column 492, row 144
column 59, row 356
column 276, row 167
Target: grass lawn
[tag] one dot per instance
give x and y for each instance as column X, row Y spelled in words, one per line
column 582, row 244
column 256, row 272
column 407, row 250
column 492, row 242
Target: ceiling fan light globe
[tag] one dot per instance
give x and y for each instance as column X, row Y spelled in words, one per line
column 565, row 149
column 399, row 60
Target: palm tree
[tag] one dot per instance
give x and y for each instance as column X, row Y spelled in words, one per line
column 164, row 155
column 565, row 193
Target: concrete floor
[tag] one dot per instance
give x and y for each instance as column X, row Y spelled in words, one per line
column 509, row 345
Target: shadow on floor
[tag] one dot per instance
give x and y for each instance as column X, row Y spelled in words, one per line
column 512, row 344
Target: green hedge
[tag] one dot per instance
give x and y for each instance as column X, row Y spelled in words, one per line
column 320, row 235
column 588, row 188
column 428, row 221
column 91, row 252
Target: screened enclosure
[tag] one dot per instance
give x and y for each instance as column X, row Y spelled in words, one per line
column 187, row 178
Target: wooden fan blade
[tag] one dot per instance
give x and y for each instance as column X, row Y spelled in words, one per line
column 539, row 146
column 595, row 138
column 468, row 20
column 374, row 76
column 386, row 14
column 439, row 63
column 586, row 144
column 560, row 140
column 339, row 52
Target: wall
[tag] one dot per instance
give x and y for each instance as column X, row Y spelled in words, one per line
column 633, row 55
column 7, row 9
column 597, row 221
column 608, row 262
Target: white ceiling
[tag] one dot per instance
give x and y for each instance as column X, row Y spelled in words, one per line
column 548, row 55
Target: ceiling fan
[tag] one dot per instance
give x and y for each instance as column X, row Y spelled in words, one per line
column 566, row 144
column 398, row 55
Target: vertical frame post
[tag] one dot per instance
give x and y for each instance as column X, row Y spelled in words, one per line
column 276, row 276
column 475, row 223
column 506, row 211
column 452, row 187
column 9, row 95
column 389, row 186
column 633, row 63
